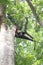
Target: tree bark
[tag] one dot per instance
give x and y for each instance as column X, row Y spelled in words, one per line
column 7, row 35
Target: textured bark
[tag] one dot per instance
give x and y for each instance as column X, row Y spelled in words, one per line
column 2, row 13
column 7, row 45
column 6, row 40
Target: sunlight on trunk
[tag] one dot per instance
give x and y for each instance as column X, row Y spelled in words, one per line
column 7, row 45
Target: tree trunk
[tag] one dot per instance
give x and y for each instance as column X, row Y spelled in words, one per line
column 6, row 40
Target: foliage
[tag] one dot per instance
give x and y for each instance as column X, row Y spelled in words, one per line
column 27, row 52
column 4, row 2
column 26, row 48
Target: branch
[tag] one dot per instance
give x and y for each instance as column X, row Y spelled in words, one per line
column 35, row 13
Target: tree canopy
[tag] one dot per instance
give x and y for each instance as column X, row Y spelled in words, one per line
column 27, row 16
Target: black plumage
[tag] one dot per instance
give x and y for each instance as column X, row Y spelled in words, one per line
column 19, row 33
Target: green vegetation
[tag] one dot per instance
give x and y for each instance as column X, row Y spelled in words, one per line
column 27, row 52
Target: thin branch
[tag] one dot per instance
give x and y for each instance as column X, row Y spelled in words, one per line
column 26, row 23
column 34, row 12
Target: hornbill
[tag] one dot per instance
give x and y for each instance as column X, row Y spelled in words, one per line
column 19, row 33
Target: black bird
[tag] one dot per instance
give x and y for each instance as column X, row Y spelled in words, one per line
column 19, row 34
